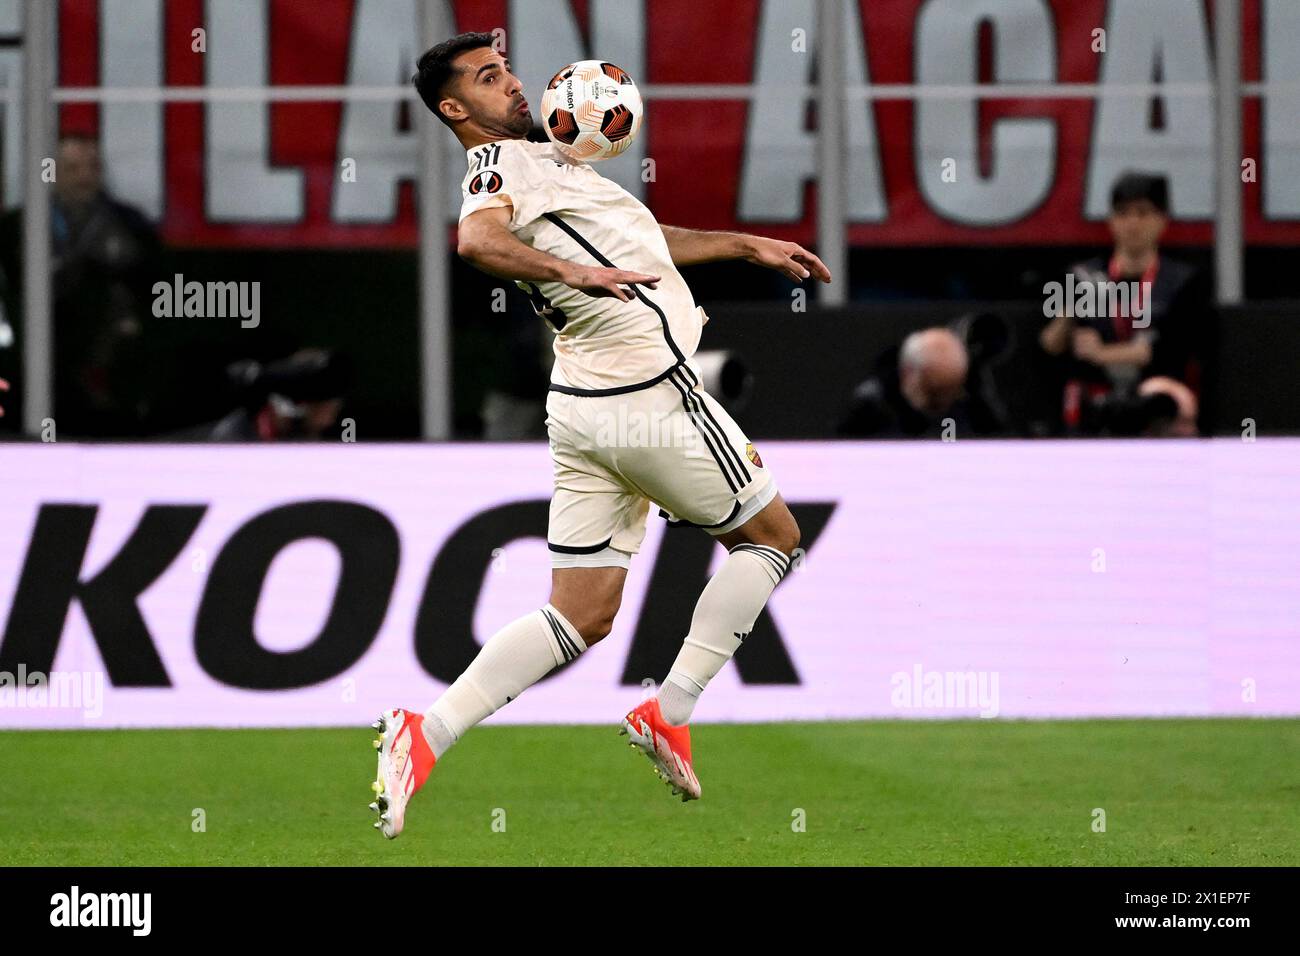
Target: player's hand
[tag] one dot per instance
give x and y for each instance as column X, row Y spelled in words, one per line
column 788, row 258
column 600, row 282
column 4, row 387
column 1087, row 344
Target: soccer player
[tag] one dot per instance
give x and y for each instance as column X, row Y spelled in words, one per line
column 602, row 273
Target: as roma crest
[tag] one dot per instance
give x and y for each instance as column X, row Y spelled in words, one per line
column 753, row 455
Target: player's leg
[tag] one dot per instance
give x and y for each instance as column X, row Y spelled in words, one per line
column 512, row 660
column 773, row 527
column 584, row 601
column 717, row 482
column 758, row 555
column 581, row 611
column 720, row 483
column 588, row 599
column 595, row 525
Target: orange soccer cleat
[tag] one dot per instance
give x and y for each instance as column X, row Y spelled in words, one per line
column 404, row 764
column 668, row 747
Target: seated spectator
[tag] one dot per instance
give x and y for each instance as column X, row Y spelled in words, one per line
column 1107, row 353
column 298, row 398
column 916, row 387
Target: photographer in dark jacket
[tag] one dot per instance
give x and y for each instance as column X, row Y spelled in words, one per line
column 1102, row 358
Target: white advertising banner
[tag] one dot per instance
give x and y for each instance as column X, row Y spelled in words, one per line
column 157, row 585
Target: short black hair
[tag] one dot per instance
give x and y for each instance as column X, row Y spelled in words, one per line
column 434, row 69
column 1133, row 186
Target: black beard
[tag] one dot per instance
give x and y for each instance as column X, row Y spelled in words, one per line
column 519, row 124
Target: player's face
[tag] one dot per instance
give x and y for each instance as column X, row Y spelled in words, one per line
column 1137, row 226
column 490, row 95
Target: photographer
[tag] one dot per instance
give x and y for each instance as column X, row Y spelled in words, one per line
column 298, row 398
column 1103, row 355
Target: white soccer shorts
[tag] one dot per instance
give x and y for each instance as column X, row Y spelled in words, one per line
column 670, row 444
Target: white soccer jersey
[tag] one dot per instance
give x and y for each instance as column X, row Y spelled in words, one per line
column 567, row 209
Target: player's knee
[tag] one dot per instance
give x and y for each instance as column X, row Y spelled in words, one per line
column 785, row 538
column 594, row 625
column 783, row 534
column 593, row 620
column 777, row 528
column 792, row 538
column 780, row 534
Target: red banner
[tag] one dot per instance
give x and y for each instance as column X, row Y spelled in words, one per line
column 933, row 171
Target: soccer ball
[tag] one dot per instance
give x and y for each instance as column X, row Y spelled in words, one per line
column 592, row 110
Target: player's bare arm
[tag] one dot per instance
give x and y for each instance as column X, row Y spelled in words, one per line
column 486, row 242
column 692, row 247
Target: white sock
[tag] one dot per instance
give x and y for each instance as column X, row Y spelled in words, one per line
column 513, row 659
column 724, row 616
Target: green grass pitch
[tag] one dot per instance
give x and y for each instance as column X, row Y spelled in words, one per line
column 1174, row 792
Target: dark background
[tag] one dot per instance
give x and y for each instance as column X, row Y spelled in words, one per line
column 365, row 304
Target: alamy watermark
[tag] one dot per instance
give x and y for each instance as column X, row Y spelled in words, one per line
column 133, row 911
column 1092, row 297
column 945, row 690
column 60, row 690
column 179, row 299
column 634, row 428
